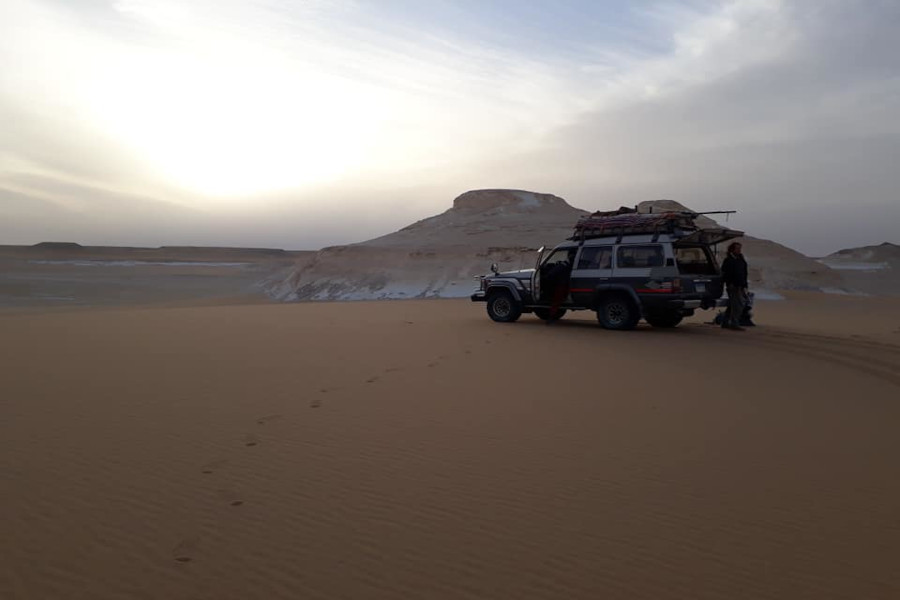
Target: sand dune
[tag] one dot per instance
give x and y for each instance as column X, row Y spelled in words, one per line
column 417, row 450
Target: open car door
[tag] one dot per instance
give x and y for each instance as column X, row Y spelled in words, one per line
column 536, row 276
column 710, row 237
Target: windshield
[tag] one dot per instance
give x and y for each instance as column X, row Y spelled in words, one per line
column 694, row 260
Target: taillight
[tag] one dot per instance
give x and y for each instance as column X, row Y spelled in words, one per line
column 669, row 287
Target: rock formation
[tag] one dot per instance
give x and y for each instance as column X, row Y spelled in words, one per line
column 437, row 256
column 868, row 269
column 885, row 252
column 440, row 255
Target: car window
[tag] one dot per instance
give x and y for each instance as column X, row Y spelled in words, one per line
column 595, row 257
column 560, row 255
column 639, row 257
column 694, row 260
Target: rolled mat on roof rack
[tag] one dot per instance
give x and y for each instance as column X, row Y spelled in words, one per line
column 678, row 223
column 628, row 223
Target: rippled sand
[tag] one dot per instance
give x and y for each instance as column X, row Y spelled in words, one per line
column 418, row 450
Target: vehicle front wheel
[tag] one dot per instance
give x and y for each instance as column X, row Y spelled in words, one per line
column 503, row 308
column 664, row 319
column 618, row 312
column 544, row 314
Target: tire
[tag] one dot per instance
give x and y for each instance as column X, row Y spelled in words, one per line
column 618, row 312
column 503, row 308
column 544, row 314
column 664, row 319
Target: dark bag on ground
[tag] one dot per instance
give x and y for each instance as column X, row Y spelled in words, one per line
column 746, row 319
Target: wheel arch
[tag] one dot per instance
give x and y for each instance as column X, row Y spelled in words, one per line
column 503, row 286
column 608, row 290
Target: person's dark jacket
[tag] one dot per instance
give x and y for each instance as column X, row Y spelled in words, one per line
column 554, row 279
column 734, row 270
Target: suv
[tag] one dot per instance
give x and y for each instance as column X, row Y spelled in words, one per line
column 624, row 266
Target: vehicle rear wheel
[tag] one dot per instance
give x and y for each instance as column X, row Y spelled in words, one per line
column 503, row 308
column 544, row 314
column 618, row 312
column 667, row 318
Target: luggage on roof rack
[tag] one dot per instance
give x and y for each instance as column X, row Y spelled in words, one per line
column 602, row 224
column 628, row 221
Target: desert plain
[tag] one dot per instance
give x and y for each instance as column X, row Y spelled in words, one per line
column 229, row 447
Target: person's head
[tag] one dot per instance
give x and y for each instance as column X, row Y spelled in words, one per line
column 734, row 248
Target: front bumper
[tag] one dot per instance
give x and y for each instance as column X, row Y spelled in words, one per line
column 478, row 296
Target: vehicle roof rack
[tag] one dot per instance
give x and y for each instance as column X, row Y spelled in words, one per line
column 628, row 221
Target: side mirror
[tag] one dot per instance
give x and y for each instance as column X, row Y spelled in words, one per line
column 494, row 269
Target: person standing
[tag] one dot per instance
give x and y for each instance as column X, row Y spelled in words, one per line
column 558, row 282
column 734, row 276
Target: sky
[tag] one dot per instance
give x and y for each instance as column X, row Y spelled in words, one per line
column 300, row 124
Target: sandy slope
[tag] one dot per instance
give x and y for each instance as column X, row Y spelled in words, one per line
column 418, row 450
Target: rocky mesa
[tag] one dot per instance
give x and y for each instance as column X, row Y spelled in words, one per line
column 438, row 257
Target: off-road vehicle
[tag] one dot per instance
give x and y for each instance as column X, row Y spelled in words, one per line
column 623, row 265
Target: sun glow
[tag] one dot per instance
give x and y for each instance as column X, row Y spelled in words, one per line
column 236, row 122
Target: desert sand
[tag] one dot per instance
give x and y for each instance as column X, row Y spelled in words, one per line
column 415, row 449
column 65, row 274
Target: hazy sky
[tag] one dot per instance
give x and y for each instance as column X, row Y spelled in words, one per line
column 299, row 124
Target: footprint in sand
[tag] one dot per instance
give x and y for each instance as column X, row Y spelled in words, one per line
column 231, row 497
column 185, row 550
column 251, row 440
column 433, row 364
column 267, row 418
column 317, row 402
column 213, row 466
column 372, row 379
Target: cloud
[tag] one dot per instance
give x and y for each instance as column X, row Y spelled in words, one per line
column 801, row 136
column 245, row 120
